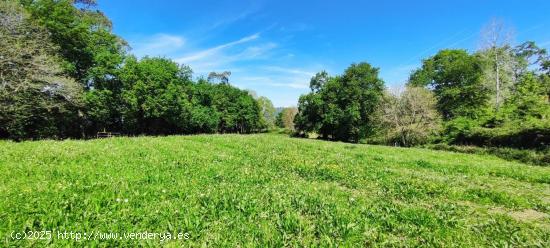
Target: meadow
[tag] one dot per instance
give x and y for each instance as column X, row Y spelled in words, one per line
column 267, row 190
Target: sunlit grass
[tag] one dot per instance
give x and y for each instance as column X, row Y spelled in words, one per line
column 270, row 190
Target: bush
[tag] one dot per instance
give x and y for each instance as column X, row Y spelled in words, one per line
column 528, row 134
column 458, row 130
column 534, row 157
column 409, row 118
column 525, row 138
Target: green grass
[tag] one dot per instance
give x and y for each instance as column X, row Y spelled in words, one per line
column 269, row 190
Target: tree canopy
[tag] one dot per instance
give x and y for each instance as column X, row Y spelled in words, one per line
column 64, row 73
column 36, row 99
column 341, row 107
column 456, row 79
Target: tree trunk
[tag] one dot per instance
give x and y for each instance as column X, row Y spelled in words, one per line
column 497, row 100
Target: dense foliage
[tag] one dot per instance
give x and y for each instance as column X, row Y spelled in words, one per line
column 91, row 52
column 455, row 78
column 36, row 99
column 495, row 97
column 513, row 112
column 65, row 74
column 341, row 107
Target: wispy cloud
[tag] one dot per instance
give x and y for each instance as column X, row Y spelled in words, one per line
column 280, row 77
column 159, row 44
column 220, row 57
column 281, row 84
column 229, row 61
column 278, row 81
column 256, row 62
column 234, row 18
column 214, row 50
column 291, row 85
column 223, row 56
column 289, row 70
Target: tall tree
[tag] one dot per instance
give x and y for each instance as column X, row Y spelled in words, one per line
column 455, row 77
column 268, row 111
column 36, row 99
column 496, row 49
column 156, row 96
column 91, row 52
column 239, row 112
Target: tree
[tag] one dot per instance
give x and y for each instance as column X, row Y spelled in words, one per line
column 529, row 100
column 546, row 66
column 342, row 107
column 222, row 77
column 91, row 52
column 267, row 110
column 318, row 81
column 238, row 111
column 36, row 99
column 310, row 106
column 156, row 96
column 455, row 77
column 63, row 73
column 496, row 50
column 285, row 118
column 545, row 79
column 529, row 55
column 409, row 118
column 103, row 111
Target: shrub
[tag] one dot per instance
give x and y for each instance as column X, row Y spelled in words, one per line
column 534, row 157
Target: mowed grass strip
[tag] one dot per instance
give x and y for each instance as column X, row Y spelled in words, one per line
column 269, row 190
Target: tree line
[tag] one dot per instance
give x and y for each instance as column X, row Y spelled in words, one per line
column 497, row 96
column 65, row 74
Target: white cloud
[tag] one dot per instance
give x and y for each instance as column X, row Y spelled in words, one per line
column 279, row 77
column 291, row 85
column 283, row 87
column 280, row 81
column 254, row 61
column 253, row 52
column 158, row 45
column 223, row 56
column 232, row 19
column 289, row 70
column 213, row 51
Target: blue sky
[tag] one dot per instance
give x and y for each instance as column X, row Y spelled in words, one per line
column 274, row 47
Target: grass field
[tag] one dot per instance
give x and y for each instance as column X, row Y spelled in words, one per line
column 268, row 190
